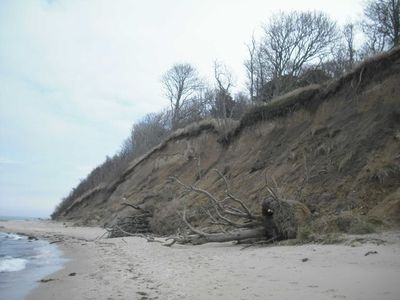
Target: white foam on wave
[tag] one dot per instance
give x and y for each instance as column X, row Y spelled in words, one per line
column 14, row 236
column 10, row 264
column 44, row 254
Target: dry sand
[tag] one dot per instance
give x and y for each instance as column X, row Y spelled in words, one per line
column 132, row 268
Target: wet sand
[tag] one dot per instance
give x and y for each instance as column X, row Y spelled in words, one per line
column 132, row 268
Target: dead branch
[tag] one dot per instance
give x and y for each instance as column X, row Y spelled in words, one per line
column 246, row 209
column 133, row 225
column 125, row 232
column 237, row 235
column 149, row 238
column 199, row 232
column 279, row 218
column 135, row 207
column 170, row 243
column 214, row 221
column 220, row 210
column 215, row 201
column 249, row 226
column 226, row 220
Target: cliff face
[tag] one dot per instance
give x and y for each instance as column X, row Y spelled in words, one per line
column 334, row 147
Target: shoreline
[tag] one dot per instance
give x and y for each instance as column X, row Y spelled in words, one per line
column 132, row 268
column 66, row 239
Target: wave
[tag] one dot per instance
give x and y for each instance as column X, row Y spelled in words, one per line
column 14, row 236
column 11, row 236
column 10, row 264
column 44, row 253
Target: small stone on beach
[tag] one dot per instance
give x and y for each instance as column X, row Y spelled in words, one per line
column 370, row 252
column 47, row 280
column 305, row 259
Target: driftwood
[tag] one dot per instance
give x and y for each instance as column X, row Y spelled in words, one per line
column 279, row 219
column 237, row 235
column 133, row 225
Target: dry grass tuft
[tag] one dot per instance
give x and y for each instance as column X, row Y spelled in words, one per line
column 385, row 172
column 345, row 222
column 345, row 161
column 279, row 107
column 323, row 149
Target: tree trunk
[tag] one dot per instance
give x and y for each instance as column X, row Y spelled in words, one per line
column 238, row 235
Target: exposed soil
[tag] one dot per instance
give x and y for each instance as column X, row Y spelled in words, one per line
column 337, row 151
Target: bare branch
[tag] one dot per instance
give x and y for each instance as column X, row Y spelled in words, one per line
column 275, row 222
column 198, row 190
column 227, row 220
column 199, row 232
column 291, row 41
column 214, row 221
column 246, row 209
column 381, row 25
column 209, row 196
column 181, row 82
column 126, row 232
column 170, row 243
column 137, row 208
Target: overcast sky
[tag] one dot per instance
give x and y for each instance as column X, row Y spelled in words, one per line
column 75, row 76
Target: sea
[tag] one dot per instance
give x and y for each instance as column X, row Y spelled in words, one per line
column 24, row 262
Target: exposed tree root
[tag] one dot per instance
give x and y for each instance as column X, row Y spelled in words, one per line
column 279, row 219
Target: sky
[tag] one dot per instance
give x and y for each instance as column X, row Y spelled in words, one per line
column 75, row 75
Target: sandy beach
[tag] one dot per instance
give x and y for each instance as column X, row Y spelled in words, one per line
column 132, row 268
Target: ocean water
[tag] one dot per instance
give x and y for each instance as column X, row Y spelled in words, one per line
column 23, row 263
column 10, row 218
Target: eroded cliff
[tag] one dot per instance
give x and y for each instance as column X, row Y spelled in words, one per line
column 334, row 147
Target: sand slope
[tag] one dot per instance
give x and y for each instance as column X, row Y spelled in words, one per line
column 132, row 268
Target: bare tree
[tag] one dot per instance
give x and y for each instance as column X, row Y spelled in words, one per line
column 224, row 82
column 223, row 77
column 348, row 34
column 261, row 73
column 343, row 53
column 381, row 25
column 292, row 40
column 149, row 132
column 180, row 84
column 256, row 71
column 223, row 105
column 250, row 65
column 196, row 108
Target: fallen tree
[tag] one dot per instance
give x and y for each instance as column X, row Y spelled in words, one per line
column 230, row 218
column 278, row 219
